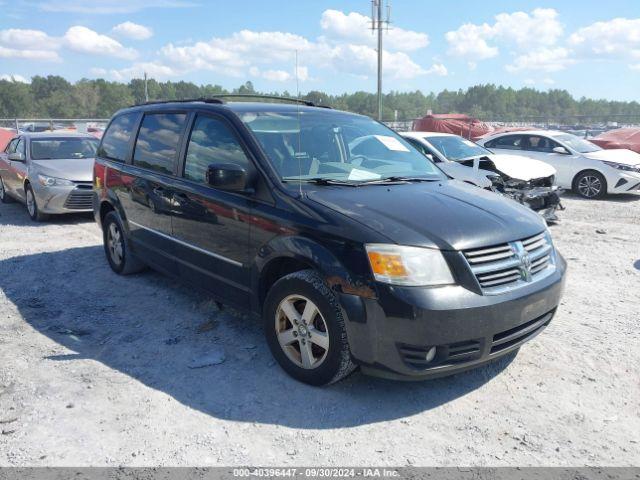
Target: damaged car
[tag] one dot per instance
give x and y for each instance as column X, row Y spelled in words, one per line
column 527, row 181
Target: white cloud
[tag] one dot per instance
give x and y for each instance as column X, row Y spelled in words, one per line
column 635, row 67
column 470, row 41
column 84, row 40
column 525, row 31
column 98, row 71
column 109, row 6
column 614, row 39
column 542, row 60
column 28, row 44
column 155, row 70
column 540, row 28
column 438, row 69
column 14, row 78
column 356, row 28
column 132, row 30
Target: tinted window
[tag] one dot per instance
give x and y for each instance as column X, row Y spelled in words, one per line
column 115, row 142
column 211, row 142
column 157, row 143
column 510, row 142
column 540, row 144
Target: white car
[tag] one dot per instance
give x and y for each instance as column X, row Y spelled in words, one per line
column 527, row 181
column 582, row 166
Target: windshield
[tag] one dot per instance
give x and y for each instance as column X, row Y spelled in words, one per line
column 312, row 145
column 63, row 148
column 456, row 148
column 578, row 144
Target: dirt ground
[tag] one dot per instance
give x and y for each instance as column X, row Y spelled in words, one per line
column 95, row 369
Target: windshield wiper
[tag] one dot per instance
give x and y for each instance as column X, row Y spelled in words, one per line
column 398, row 179
column 321, row 181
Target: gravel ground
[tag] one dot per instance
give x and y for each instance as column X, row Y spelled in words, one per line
column 95, row 370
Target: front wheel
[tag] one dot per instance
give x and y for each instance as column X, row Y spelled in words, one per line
column 590, row 184
column 32, row 205
column 305, row 329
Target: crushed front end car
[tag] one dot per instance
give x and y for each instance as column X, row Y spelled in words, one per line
column 539, row 194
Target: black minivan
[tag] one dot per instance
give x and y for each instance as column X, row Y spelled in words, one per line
column 351, row 245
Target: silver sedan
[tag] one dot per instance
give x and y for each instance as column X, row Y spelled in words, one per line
column 49, row 172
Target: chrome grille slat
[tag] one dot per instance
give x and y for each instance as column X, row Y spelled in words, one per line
column 505, row 273
column 501, row 281
column 491, row 257
column 500, row 268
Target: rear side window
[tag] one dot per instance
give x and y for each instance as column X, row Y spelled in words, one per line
column 540, row 144
column 115, row 141
column 157, row 144
column 211, row 141
column 510, row 142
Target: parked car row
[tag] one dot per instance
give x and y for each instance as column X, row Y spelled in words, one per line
column 353, row 247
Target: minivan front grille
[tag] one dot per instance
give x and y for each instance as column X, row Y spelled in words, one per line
column 500, row 268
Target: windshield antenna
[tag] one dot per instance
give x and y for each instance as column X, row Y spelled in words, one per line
column 299, row 129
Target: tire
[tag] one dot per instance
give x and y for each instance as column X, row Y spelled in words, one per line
column 32, row 205
column 116, row 247
column 327, row 357
column 4, row 196
column 590, row 185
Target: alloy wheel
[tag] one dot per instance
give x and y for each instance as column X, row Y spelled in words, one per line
column 31, row 203
column 589, row 186
column 302, row 331
column 114, row 244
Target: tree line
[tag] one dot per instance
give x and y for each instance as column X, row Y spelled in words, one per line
column 55, row 97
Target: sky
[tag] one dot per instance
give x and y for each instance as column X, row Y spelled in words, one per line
column 590, row 48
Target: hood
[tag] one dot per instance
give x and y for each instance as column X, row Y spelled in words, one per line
column 449, row 214
column 620, row 155
column 466, row 174
column 521, row 168
column 76, row 169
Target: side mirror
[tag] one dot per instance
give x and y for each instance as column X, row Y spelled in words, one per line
column 16, row 157
column 561, row 150
column 228, row 176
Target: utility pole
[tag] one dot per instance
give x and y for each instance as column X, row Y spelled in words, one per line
column 379, row 23
column 146, row 90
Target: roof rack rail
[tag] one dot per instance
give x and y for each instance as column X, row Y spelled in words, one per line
column 182, row 100
column 270, row 97
column 220, row 98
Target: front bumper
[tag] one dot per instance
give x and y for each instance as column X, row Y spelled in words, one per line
column 68, row 199
column 543, row 200
column 391, row 336
column 624, row 182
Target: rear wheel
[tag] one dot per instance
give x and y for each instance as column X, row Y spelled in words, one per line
column 4, row 197
column 32, row 205
column 116, row 247
column 305, row 329
column 590, row 184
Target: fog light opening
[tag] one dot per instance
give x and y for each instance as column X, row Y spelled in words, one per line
column 431, row 354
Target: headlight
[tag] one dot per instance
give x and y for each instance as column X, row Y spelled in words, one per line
column 622, row 166
column 410, row 266
column 54, row 182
